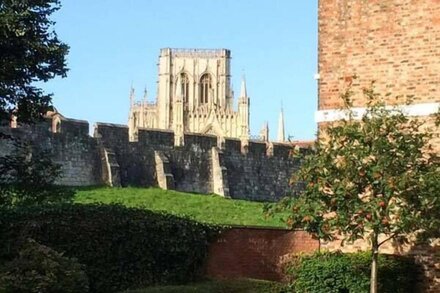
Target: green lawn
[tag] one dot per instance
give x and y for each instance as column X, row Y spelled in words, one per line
column 230, row 286
column 211, row 209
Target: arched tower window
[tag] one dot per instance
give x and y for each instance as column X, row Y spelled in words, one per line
column 205, row 87
column 185, row 87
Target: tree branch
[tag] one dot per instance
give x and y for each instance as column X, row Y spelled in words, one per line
column 382, row 242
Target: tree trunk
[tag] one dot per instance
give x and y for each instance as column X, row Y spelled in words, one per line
column 375, row 251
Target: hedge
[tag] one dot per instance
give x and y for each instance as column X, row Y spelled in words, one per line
column 120, row 247
column 337, row 272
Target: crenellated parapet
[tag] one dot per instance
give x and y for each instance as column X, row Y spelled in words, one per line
column 165, row 139
column 203, row 163
column 67, row 141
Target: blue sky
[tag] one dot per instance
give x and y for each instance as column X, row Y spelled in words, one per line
column 116, row 43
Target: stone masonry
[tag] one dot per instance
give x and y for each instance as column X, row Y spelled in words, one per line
column 200, row 165
column 72, row 149
column 204, row 164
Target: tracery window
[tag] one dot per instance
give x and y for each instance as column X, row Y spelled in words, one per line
column 185, row 87
column 205, row 87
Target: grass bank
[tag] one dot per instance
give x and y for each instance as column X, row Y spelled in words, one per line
column 211, row 209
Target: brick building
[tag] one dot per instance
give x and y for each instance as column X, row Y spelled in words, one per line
column 395, row 43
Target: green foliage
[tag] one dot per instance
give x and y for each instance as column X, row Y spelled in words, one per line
column 121, row 247
column 211, row 209
column 30, row 51
column 377, row 175
column 39, row 268
column 337, row 272
column 27, row 177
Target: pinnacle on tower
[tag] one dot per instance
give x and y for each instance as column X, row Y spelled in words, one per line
column 132, row 96
column 243, row 92
column 281, row 137
column 264, row 133
column 145, row 95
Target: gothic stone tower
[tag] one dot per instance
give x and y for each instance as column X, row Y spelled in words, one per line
column 194, row 94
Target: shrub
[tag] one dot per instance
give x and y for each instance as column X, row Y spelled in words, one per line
column 27, row 177
column 338, row 272
column 39, row 268
column 121, row 247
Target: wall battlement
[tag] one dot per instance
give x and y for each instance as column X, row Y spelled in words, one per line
column 71, row 147
column 165, row 138
column 196, row 53
column 253, row 170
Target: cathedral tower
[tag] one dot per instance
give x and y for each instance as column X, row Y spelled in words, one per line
column 194, row 94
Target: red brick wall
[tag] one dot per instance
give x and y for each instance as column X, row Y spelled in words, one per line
column 255, row 252
column 395, row 42
column 260, row 253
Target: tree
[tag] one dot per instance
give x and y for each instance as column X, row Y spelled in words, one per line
column 377, row 176
column 30, row 52
column 27, row 177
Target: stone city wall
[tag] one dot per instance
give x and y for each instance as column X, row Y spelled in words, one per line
column 71, row 148
column 204, row 164
column 253, row 175
column 258, row 176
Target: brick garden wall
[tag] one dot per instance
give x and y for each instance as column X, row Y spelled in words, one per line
column 258, row 253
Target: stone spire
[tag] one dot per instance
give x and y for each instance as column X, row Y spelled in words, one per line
column 132, row 128
column 142, row 113
column 145, row 96
column 243, row 111
column 243, row 92
column 178, row 114
column 281, row 137
column 264, row 133
column 132, row 96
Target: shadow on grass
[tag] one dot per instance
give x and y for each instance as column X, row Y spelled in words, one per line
column 213, row 286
